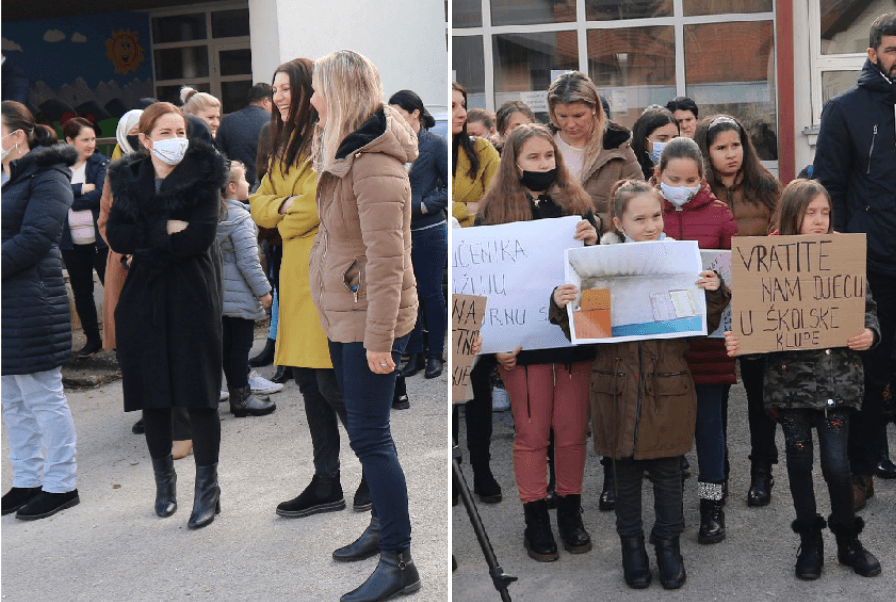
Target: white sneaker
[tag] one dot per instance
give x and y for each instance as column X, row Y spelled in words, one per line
column 261, row 385
column 500, row 400
column 225, row 395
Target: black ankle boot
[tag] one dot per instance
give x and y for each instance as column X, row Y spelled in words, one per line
column 712, row 515
column 810, row 556
column 538, row 537
column 485, row 485
column 94, row 344
column 433, row 367
column 400, row 399
column 282, row 376
column 245, row 403
column 569, row 522
column 166, row 479
column 635, row 564
column 362, row 501
column 364, row 547
column 18, row 497
column 207, row 499
column 266, row 357
column 416, row 363
column 850, row 550
column 607, row 499
column 395, row 574
column 670, row 563
column 761, row 482
column 323, row 494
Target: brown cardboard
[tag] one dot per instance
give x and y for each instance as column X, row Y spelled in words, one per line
column 467, row 312
column 797, row 292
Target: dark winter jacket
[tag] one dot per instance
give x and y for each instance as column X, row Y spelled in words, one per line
column 643, row 402
column 429, row 181
column 818, row 379
column 95, row 173
column 168, row 318
column 855, row 159
column 244, row 280
column 710, row 222
column 37, row 333
column 238, row 136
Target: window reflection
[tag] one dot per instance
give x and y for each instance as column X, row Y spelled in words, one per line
column 469, row 65
column 610, row 10
column 845, row 24
column 526, row 12
column 719, row 7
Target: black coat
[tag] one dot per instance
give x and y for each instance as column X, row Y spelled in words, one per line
column 168, row 318
column 238, row 136
column 94, row 173
column 855, row 159
column 37, row 332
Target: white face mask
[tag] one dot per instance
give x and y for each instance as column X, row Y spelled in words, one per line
column 170, row 150
column 678, row 195
column 6, row 151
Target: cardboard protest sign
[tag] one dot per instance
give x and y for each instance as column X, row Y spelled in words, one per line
column 797, row 292
column 516, row 266
column 719, row 261
column 466, row 320
column 636, row 291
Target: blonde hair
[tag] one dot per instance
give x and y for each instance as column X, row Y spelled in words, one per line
column 195, row 102
column 351, row 86
column 576, row 87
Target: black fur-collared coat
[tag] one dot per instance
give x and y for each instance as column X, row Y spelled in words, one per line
column 168, row 318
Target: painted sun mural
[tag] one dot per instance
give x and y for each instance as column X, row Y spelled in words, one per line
column 124, row 50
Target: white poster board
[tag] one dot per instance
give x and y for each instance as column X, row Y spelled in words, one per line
column 719, row 261
column 636, row 291
column 516, row 266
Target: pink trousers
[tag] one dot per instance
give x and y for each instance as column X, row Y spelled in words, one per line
column 545, row 397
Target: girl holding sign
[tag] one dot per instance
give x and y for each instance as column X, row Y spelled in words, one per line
column 643, row 403
column 548, row 388
column 818, row 388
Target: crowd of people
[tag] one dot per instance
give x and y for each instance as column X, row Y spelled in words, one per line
column 679, row 176
column 171, row 227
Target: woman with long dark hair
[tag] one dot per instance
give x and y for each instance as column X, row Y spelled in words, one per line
column 654, row 128
column 475, row 161
column 168, row 319
column 286, row 201
column 429, row 231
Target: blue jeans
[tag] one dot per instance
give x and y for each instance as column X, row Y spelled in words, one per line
column 710, row 437
column 429, row 254
column 37, row 417
column 368, row 403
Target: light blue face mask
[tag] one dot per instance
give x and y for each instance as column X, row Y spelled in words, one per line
column 657, row 151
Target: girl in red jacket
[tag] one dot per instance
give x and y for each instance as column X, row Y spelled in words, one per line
column 691, row 212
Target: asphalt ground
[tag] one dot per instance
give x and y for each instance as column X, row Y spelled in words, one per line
column 112, row 547
column 755, row 562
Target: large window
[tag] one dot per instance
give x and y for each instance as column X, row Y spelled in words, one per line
column 638, row 52
column 204, row 48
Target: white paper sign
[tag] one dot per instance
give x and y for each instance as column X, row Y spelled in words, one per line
column 537, row 100
column 516, row 266
column 636, row 291
column 719, row 261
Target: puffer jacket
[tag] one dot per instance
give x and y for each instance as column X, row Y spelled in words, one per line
column 707, row 220
column 244, row 280
column 616, row 161
column 37, row 332
column 94, row 173
column 643, row 402
column 855, row 159
column 362, row 279
column 818, row 379
column 752, row 219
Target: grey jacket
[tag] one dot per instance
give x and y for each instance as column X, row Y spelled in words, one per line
column 244, row 280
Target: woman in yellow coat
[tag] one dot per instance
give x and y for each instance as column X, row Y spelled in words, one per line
column 475, row 162
column 286, row 200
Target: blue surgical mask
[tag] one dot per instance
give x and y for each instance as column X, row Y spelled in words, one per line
column 678, row 195
column 656, row 152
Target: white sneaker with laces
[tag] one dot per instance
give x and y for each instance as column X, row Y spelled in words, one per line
column 225, row 395
column 261, row 385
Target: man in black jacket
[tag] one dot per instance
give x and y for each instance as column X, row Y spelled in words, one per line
column 238, row 135
column 855, row 159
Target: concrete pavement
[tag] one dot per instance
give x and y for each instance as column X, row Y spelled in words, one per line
column 112, row 547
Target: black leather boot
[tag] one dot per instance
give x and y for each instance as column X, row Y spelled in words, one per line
column 362, row 501
column 670, row 563
column 266, row 357
column 635, row 564
column 712, row 514
column 433, row 367
column 538, row 537
column 207, row 500
column 283, row 375
column 323, row 494
column 569, row 522
column 761, row 482
column 607, row 499
column 245, row 403
column 166, row 479
column 364, row 547
column 850, row 550
column 485, row 485
column 18, row 497
column 395, row 574
column 416, row 363
column 810, row 556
